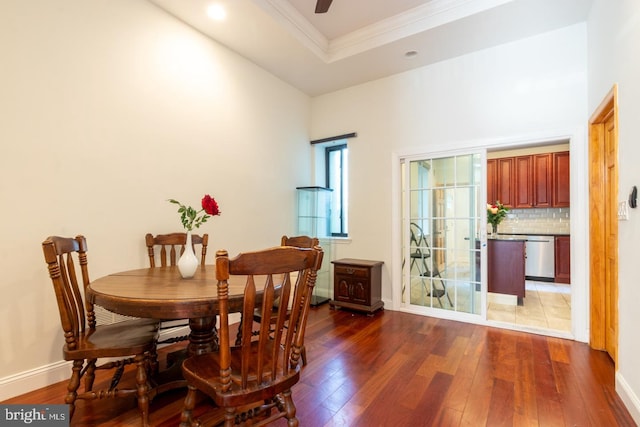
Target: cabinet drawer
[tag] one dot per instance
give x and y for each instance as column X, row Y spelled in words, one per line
column 352, row 271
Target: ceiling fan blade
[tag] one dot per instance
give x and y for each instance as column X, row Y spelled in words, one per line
column 322, row 6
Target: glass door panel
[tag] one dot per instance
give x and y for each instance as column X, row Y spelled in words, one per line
column 441, row 218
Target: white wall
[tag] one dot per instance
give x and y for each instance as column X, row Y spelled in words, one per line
column 110, row 107
column 508, row 93
column 107, row 109
column 614, row 31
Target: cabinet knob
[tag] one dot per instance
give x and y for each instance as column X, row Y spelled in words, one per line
column 350, row 270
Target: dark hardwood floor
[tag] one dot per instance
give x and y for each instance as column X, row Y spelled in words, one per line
column 398, row 369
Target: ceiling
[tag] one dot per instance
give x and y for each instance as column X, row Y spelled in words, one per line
column 361, row 40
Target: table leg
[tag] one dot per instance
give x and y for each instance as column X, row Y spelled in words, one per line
column 203, row 337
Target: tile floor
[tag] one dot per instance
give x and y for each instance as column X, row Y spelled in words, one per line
column 546, row 305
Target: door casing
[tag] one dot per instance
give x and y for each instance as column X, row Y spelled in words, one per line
column 603, row 225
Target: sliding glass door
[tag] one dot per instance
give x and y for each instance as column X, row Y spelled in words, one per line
column 441, row 214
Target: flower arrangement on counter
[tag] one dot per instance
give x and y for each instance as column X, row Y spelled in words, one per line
column 193, row 219
column 495, row 214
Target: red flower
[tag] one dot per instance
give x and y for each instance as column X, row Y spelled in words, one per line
column 191, row 218
column 210, row 205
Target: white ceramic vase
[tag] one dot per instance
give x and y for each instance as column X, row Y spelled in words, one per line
column 188, row 262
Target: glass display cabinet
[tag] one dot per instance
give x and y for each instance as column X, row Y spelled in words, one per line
column 314, row 210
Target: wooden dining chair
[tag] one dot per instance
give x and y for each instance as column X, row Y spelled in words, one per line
column 171, row 246
column 168, row 248
column 131, row 341
column 251, row 382
column 299, row 242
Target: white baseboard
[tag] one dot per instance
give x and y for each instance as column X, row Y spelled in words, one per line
column 33, row 379
column 24, row 382
column 629, row 398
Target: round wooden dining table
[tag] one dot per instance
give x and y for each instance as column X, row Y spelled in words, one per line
column 160, row 293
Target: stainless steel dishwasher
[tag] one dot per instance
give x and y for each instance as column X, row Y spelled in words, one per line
column 540, row 258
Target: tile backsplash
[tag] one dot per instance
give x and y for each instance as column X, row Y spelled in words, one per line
column 532, row 221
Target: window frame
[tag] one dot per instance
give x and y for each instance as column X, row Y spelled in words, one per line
column 343, row 216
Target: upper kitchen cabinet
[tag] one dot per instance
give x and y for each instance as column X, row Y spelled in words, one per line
column 523, row 182
column 533, row 181
column 529, row 181
column 492, row 180
column 542, row 180
column 561, row 183
column 505, row 181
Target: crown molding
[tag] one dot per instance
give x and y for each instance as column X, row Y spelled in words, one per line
column 419, row 19
column 414, row 21
column 297, row 25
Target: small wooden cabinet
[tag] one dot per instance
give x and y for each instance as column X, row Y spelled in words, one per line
column 563, row 259
column 357, row 284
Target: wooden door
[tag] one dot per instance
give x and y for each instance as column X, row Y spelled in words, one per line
column 603, row 226
column 611, row 239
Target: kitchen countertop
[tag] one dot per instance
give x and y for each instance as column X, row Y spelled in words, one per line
column 533, row 234
column 518, row 236
column 513, row 237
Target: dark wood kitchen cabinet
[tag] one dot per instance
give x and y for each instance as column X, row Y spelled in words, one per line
column 533, row 181
column 562, row 259
column 492, row 180
column 542, row 179
column 561, row 181
column 523, row 182
column 505, row 267
column 505, row 181
column 357, row 284
column 530, row 181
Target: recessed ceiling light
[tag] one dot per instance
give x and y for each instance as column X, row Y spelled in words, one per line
column 411, row 54
column 216, row 12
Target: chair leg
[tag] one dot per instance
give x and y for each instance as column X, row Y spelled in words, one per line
column 229, row 417
column 72, row 387
column 143, row 388
column 187, row 409
column 290, row 409
column 90, row 375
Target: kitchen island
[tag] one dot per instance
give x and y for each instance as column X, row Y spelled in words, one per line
column 505, row 265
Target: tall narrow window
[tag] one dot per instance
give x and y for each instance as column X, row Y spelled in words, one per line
column 338, row 180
